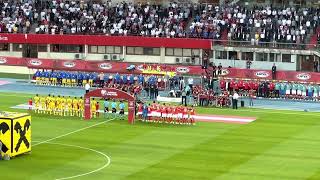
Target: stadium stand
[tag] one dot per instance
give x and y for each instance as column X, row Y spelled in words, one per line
column 257, row 25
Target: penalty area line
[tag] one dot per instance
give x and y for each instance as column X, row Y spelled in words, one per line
column 97, row 124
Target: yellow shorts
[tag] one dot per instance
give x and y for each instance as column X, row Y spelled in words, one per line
column 50, row 108
column 38, row 78
column 73, row 80
column 64, row 80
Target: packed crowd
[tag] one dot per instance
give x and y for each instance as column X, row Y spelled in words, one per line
column 272, row 89
column 71, row 17
column 258, row 24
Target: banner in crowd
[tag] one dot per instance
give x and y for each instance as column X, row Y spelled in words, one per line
column 105, row 40
column 156, row 69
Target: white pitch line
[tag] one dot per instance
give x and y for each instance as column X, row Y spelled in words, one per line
column 72, row 132
column 106, row 157
column 275, row 111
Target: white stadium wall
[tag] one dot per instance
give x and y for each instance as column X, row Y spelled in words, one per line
column 51, row 55
column 15, row 69
column 11, row 54
column 142, row 58
column 257, row 64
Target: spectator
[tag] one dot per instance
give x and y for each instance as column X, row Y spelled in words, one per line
column 184, row 97
column 219, row 69
column 190, row 82
column 315, row 65
column 274, row 71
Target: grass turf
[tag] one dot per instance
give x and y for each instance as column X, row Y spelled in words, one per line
column 15, row 76
column 278, row 145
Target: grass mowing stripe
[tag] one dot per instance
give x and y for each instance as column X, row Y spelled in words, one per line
column 108, row 160
column 72, row 132
column 302, row 161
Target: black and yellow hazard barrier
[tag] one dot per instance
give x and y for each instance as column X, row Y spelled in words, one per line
column 15, row 133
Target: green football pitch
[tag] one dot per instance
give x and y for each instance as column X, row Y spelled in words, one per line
column 278, row 145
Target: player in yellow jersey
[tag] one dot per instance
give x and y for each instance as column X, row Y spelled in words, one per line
column 69, row 106
column 93, row 107
column 75, row 107
column 36, row 100
column 63, row 106
column 52, row 105
column 48, row 99
column 81, row 107
column 56, row 107
column 43, row 105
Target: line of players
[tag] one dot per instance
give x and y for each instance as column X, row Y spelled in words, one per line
column 68, row 106
column 158, row 113
column 59, row 105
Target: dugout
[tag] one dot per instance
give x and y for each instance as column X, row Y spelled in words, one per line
column 112, row 94
column 15, row 133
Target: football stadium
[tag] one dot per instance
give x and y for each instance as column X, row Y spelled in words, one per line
column 160, row 89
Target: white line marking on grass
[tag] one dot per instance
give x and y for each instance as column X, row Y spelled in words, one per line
column 223, row 119
column 275, row 111
column 72, row 132
column 106, row 157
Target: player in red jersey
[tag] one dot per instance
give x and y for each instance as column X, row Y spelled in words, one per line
column 175, row 114
column 192, row 114
column 169, row 114
column 164, row 113
column 159, row 111
column 185, row 115
column 180, row 114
